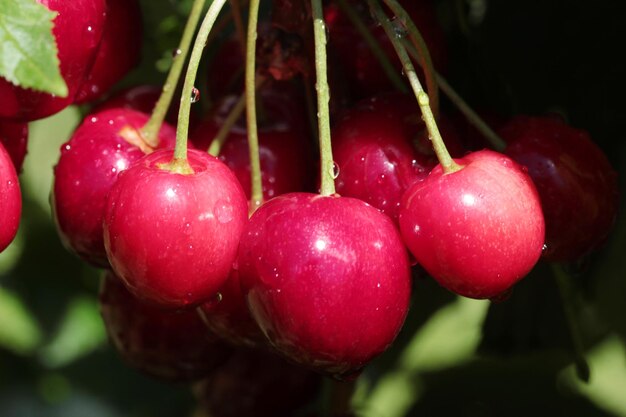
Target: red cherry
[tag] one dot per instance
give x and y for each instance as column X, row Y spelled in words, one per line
column 168, row 345
column 576, row 183
column 78, row 29
column 105, row 144
column 172, row 238
column 326, row 278
column 14, row 137
column 256, row 384
column 366, row 74
column 10, row 200
column 478, row 230
column 119, row 50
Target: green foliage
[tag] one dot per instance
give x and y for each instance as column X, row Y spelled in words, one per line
column 28, row 51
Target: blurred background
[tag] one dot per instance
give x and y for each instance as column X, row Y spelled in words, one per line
column 455, row 356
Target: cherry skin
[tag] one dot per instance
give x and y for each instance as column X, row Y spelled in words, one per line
column 119, row 50
column 10, row 200
column 172, row 238
column 477, row 231
column 169, row 345
column 14, row 138
column 254, row 383
column 326, row 278
column 104, row 144
column 366, row 74
column 576, row 183
column 78, row 29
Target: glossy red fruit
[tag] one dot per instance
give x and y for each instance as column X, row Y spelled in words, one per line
column 478, row 230
column 14, row 138
column 172, row 238
column 256, row 384
column 576, row 183
column 10, row 200
column 119, row 50
column 104, row 144
column 372, row 148
column 78, row 29
column 169, row 345
column 326, row 278
column 366, row 74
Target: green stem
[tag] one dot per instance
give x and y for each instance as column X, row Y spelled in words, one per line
column 446, row 161
column 256, row 186
column 327, row 165
column 234, row 115
column 374, row 45
column 424, row 59
column 150, row 131
column 566, row 291
column 182, row 129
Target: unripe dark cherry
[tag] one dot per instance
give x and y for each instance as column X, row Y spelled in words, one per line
column 576, row 183
column 326, row 278
column 169, row 345
column 10, row 200
column 104, row 144
column 172, row 238
column 478, row 230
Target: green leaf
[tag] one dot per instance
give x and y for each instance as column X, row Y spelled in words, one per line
column 28, row 51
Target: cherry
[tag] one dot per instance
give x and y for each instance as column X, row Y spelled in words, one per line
column 326, row 278
column 172, row 238
column 170, row 345
column 119, row 50
column 14, row 138
column 10, row 200
column 256, row 384
column 78, row 29
column 478, row 230
column 367, row 76
column 576, row 183
column 104, row 144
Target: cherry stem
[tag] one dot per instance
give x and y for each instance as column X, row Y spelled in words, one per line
column 239, row 26
column 327, row 165
column 235, row 113
column 424, row 58
column 256, row 187
column 446, row 161
column 151, row 129
column 182, row 128
column 373, row 44
column 494, row 139
column 563, row 281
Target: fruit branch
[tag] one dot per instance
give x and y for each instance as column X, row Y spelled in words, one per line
column 424, row 58
column 446, row 161
column 374, row 46
column 327, row 165
column 182, row 128
column 151, row 129
column 496, row 141
column 566, row 291
column 256, row 190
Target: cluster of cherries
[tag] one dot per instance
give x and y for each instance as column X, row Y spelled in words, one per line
column 322, row 280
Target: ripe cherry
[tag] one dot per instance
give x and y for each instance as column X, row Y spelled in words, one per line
column 170, row 345
column 118, row 52
column 576, row 183
column 104, row 144
column 78, row 29
column 478, row 230
column 326, row 278
column 10, row 200
column 172, row 237
column 256, row 384
column 14, row 138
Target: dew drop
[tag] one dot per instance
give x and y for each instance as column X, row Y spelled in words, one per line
column 195, row 95
column 335, row 170
column 544, row 248
column 176, row 52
